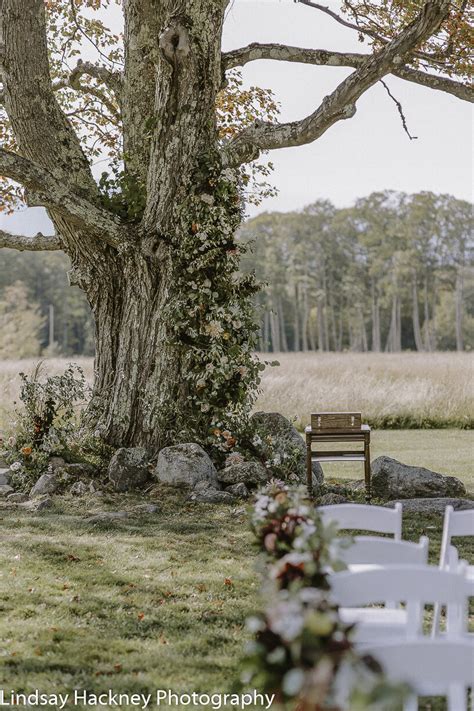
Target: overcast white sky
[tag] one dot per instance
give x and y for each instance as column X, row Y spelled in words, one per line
column 355, row 157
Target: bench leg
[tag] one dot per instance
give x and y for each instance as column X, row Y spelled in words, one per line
column 367, row 472
column 309, row 468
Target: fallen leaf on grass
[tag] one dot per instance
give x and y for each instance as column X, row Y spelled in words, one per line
column 141, row 615
column 228, row 582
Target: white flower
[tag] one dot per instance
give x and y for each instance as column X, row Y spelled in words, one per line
column 276, row 460
column 205, row 407
column 213, row 329
column 208, row 199
column 207, row 284
column 243, row 370
column 16, row 466
column 257, row 441
column 11, row 441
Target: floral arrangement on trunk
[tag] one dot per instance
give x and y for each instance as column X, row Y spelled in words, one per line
column 301, row 651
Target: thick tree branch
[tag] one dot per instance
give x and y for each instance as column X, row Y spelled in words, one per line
column 112, row 80
column 41, row 130
column 340, row 104
column 323, row 57
column 44, row 189
column 38, row 243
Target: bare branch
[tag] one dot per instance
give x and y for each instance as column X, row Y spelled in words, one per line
column 45, row 189
column 287, row 53
column 340, row 104
column 440, row 83
column 399, row 109
column 360, row 29
column 328, row 58
column 112, row 80
column 38, row 243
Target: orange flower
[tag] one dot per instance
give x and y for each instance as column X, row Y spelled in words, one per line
column 26, row 451
column 216, row 432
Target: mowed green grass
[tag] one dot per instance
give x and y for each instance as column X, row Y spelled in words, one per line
column 154, row 601
column 157, row 601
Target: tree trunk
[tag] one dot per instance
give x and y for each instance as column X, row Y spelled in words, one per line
column 275, row 331
column 459, row 310
column 416, row 318
column 296, row 321
column 427, row 322
column 284, row 342
column 376, row 338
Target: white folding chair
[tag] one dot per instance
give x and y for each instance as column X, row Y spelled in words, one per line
column 371, row 550
column 431, row 667
column 415, row 585
column 456, row 523
column 378, row 519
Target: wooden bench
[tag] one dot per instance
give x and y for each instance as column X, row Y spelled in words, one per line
column 344, row 427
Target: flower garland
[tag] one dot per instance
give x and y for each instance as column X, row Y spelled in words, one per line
column 211, row 311
column 301, row 651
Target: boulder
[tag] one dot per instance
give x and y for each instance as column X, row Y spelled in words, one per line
column 146, row 509
column 4, row 476
column 280, row 444
column 211, row 496
column 18, row 497
column 48, row 483
column 5, row 489
column 433, row 505
column 38, row 504
column 251, row 473
column 76, row 469
column 239, row 490
column 184, row 465
column 128, row 468
column 78, row 489
column 393, row 480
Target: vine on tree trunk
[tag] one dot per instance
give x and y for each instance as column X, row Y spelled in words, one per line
column 212, row 312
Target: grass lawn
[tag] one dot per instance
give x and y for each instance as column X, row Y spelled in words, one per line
column 153, row 601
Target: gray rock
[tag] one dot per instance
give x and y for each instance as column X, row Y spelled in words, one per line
column 239, row 490
column 5, row 489
column 252, row 473
column 37, row 504
column 204, row 485
column 330, row 499
column 18, row 497
column 5, row 475
column 47, row 484
column 128, row 468
column 76, row 469
column 105, row 516
column 434, row 505
column 393, row 480
column 78, row 489
column 211, row 496
column 185, row 465
column 286, row 446
column 56, row 462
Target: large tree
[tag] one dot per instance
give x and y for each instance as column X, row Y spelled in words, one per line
column 152, row 245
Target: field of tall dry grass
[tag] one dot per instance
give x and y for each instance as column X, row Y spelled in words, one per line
column 407, row 390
